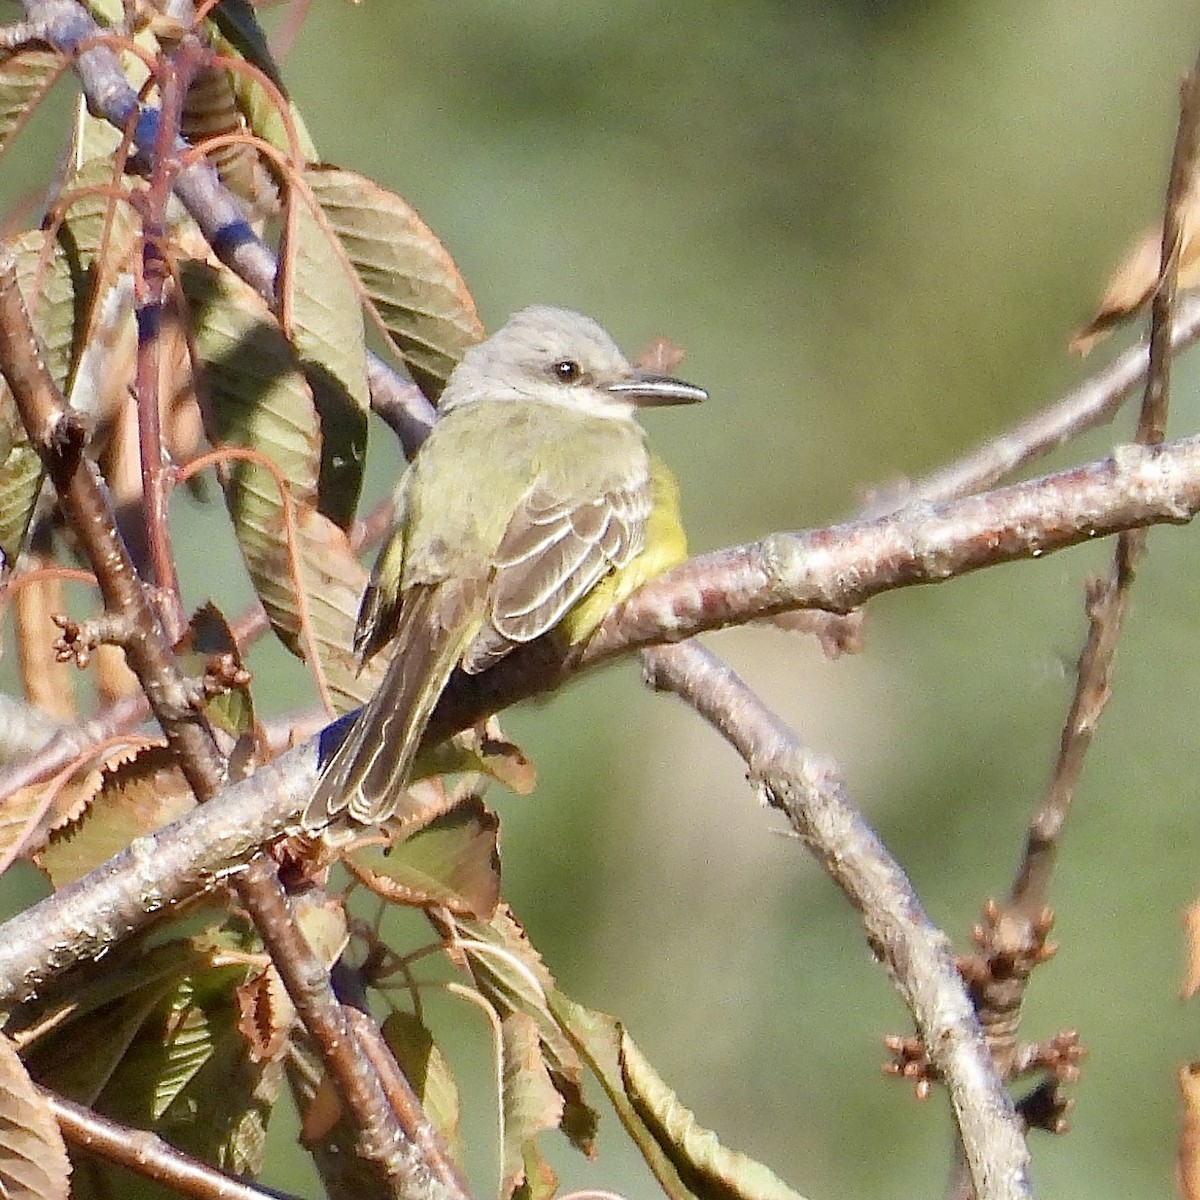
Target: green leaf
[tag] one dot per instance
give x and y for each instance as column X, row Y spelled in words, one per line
column 25, row 77
column 511, row 976
column 254, row 395
column 325, row 321
column 529, row 1103
column 209, row 636
column 135, row 797
column 63, row 285
column 408, row 276
column 687, row 1160
column 453, row 861
column 426, row 1069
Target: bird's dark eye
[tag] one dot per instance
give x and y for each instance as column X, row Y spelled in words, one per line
column 566, row 370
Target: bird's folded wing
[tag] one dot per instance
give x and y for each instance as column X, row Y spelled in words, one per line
column 553, row 553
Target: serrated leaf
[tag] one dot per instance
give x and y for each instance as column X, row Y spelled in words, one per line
column 511, row 976
column 408, row 276
column 25, row 78
column 426, row 1069
column 453, row 861
column 257, row 398
column 33, row 1157
column 135, row 797
column 189, row 1074
column 529, row 1103
column 325, row 320
column 687, row 1159
column 20, row 483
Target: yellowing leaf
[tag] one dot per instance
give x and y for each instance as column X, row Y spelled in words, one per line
column 453, row 862
column 426, row 1069
column 687, row 1160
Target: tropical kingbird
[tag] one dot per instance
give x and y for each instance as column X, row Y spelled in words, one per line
column 531, row 508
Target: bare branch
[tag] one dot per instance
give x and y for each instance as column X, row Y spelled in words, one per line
column 811, row 793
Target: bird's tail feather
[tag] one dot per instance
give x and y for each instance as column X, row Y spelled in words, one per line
column 366, row 777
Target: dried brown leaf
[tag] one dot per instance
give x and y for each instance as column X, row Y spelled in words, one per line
column 1133, row 282
column 49, row 684
column 33, row 1157
column 1187, row 1159
column 265, row 1015
column 1191, row 926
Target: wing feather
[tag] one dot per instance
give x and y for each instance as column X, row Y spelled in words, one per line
column 554, row 551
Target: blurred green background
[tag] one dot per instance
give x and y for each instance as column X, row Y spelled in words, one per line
column 873, row 227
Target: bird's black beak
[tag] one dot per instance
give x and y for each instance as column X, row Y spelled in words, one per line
column 656, row 391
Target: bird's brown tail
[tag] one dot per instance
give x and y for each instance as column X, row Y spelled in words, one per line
column 365, row 780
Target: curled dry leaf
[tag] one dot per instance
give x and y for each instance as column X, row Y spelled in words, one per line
column 662, row 356
column 1187, row 1162
column 1133, row 282
column 1191, row 926
column 265, row 1015
column 33, row 1157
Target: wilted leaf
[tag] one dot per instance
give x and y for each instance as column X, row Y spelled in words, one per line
column 136, row 796
column 529, row 1103
column 25, row 77
column 33, row 1157
column 453, row 861
column 687, row 1160
column 426, row 1069
column 407, row 275
column 325, row 321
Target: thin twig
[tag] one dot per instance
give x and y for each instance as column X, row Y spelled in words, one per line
column 147, row 1155
column 917, row 955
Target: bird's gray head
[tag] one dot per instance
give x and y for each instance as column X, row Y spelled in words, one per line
column 557, row 356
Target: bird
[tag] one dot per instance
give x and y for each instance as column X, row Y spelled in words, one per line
column 532, row 508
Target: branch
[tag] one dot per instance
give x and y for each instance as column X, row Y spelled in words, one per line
column 834, row 568
column 812, row 794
